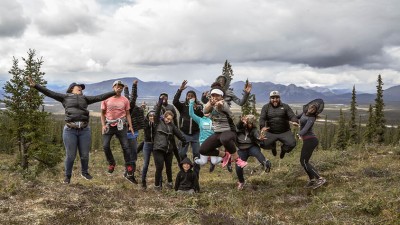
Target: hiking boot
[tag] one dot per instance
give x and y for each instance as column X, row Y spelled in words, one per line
column 170, row 185
column 131, row 179
column 144, row 185
column 319, row 182
column 282, row 155
column 67, row 179
column 226, row 159
column 129, row 171
column 229, row 167
column 267, row 166
column 212, row 167
column 87, row 176
column 273, row 150
column 310, row 183
column 111, row 168
column 240, row 186
column 157, row 188
column 241, row 163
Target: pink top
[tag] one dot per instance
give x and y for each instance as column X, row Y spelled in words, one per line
column 115, row 107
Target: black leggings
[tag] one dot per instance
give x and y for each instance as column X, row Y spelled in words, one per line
column 161, row 157
column 306, row 151
column 210, row 145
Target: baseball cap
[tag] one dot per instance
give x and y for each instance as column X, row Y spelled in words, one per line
column 118, row 82
column 274, row 93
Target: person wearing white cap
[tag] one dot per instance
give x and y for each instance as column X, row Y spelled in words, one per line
column 224, row 129
column 274, row 124
column 116, row 120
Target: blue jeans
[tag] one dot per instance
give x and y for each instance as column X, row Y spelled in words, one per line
column 244, row 154
column 193, row 140
column 147, row 150
column 132, row 143
column 75, row 139
column 123, row 140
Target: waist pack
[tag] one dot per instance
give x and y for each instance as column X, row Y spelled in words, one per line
column 77, row 125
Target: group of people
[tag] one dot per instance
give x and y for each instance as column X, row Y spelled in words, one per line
column 206, row 125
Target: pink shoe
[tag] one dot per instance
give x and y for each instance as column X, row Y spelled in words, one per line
column 241, row 163
column 226, row 159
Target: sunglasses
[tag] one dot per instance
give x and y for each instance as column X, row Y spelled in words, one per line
column 274, row 97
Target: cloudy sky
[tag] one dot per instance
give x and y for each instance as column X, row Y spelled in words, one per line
column 335, row 44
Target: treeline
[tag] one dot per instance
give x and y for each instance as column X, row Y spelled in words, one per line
column 35, row 136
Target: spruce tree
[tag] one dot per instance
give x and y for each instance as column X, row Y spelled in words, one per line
column 341, row 140
column 353, row 132
column 380, row 127
column 30, row 126
column 370, row 127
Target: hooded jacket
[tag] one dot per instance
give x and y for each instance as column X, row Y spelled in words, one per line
column 75, row 105
column 246, row 138
column 164, row 139
column 186, row 124
column 187, row 180
column 149, row 128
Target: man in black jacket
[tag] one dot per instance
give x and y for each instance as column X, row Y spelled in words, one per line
column 274, row 124
column 189, row 128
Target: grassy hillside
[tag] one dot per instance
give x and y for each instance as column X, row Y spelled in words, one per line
column 362, row 188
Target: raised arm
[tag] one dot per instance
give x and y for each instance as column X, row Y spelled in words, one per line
column 195, row 117
column 98, row 98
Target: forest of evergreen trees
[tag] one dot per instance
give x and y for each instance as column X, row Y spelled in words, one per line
column 35, row 136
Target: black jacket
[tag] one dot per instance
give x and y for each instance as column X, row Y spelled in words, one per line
column 186, row 123
column 137, row 113
column 149, row 129
column 277, row 118
column 75, row 105
column 164, row 139
column 246, row 139
column 187, row 180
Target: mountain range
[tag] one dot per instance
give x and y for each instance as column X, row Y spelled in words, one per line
column 289, row 93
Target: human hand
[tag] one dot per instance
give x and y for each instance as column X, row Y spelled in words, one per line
column 248, row 87
column 31, row 82
column 294, row 123
column 135, row 82
column 183, row 85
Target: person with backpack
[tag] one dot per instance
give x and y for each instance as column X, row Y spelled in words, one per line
column 274, row 124
column 310, row 141
column 76, row 132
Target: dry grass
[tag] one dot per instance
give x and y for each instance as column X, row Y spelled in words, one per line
column 363, row 188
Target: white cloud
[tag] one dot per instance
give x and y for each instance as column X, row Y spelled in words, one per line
column 309, row 43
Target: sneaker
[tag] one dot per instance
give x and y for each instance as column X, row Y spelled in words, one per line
column 310, row 183
column 241, row 163
column 129, row 170
column 319, row 182
column 170, row 185
column 131, row 179
column 229, row 167
column 111, row 168
column 87, row 176
column 267, row 166
column 240, row 185
column 212, row 167
column 226, row 159
column 67, row 179
column 282, row 155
